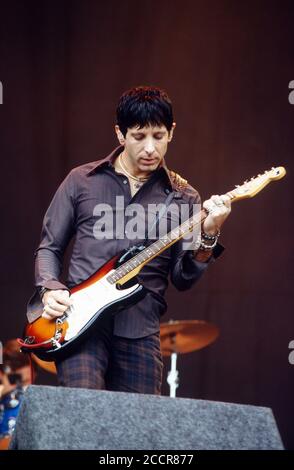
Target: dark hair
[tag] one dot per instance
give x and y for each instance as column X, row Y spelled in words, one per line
column 144, row 106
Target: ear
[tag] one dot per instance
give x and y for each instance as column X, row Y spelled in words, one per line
column 119, row 135
column 171, row 132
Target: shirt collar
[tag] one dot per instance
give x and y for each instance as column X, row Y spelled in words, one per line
column 109, row 161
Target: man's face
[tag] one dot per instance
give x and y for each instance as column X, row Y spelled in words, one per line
column 146, row 147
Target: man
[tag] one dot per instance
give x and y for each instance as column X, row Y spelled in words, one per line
column 15, row 376
column 125, row 354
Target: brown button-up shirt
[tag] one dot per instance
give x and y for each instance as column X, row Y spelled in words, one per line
column 72, row 215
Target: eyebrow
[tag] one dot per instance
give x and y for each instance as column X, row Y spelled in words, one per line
column 143, row 133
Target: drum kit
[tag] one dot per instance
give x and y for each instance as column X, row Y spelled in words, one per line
column 180, row 337
column 177, row 337
column 9, row 408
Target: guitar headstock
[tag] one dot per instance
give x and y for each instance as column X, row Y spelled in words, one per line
column 256, row 184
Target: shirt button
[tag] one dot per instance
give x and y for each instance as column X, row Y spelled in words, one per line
column 125, row 181
column 167, row 191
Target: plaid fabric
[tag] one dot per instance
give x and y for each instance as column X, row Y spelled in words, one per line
column 111, row 362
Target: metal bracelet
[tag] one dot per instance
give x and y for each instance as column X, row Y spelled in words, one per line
column 211, row 238
column 200, row 242
column 203, row 246
column 205, row 236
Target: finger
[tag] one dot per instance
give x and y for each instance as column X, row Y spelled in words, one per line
column 208, row 204
column 222, row 205
column 213, row 208
column 52, row 312
column 61, row 298
column 47, row 316
column 216, row 212
column 226, row 200
column 217, row 200
column 55, row 305
column 63, row 292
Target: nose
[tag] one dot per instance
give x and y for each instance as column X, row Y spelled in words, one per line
column 149, row 146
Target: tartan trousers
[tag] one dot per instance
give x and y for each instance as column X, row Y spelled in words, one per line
column 108, row 362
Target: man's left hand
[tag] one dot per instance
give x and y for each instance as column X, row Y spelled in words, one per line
column 218, row 208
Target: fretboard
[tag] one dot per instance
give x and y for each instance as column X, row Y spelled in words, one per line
column 248, row 189
column 157, row 247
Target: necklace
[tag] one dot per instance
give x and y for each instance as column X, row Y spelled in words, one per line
column 139, row 181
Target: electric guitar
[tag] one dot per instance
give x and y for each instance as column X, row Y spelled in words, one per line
column 114, row 286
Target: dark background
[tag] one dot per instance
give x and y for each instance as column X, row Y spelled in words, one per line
column 226, row 66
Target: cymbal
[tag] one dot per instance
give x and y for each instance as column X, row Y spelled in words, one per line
column 186, row 336
column 48, row 366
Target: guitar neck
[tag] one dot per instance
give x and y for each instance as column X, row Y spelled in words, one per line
column 133, row 266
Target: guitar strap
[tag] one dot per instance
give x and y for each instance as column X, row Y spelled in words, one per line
column 158, row 216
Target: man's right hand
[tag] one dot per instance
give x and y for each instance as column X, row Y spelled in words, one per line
column 56, row 302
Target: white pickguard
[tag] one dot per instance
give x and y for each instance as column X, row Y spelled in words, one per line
column 88, row 301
